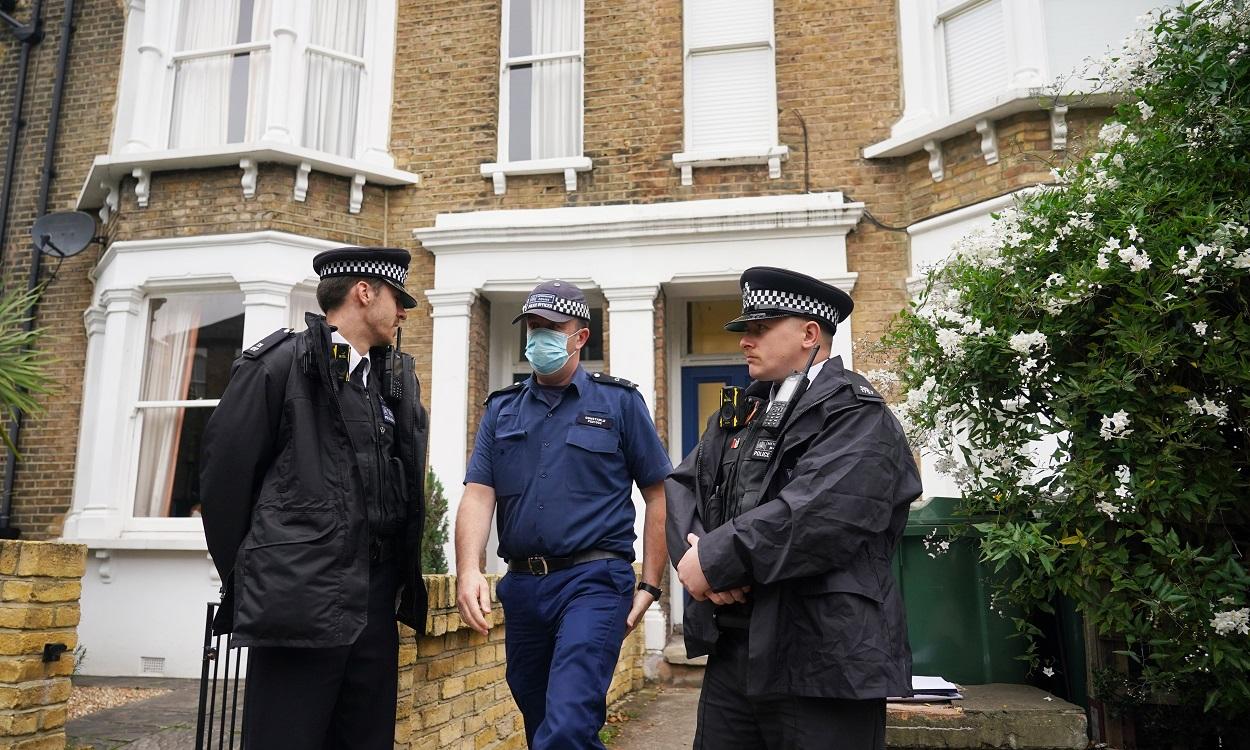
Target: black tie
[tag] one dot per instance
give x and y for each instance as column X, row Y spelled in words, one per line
column 358, row 375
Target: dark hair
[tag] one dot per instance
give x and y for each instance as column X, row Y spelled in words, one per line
column 333, row 291
column 825, row 328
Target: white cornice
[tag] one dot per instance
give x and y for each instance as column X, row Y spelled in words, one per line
column 777, row 215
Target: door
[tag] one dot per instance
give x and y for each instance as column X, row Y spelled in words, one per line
column 700, row 396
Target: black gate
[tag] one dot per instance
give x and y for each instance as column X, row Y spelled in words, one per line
column 219, row 716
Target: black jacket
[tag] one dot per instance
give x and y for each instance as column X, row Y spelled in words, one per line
column 827, row 616
column 282, row 499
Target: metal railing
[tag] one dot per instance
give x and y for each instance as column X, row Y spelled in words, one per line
column 217, row 682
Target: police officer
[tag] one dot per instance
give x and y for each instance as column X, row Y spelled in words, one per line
column 558, row 454
column 313, row 507
column 782, row 524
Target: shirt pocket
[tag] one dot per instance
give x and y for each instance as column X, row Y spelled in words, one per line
column 595, row 464
column 508, row 467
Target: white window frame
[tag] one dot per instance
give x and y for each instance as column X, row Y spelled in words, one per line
column 269, row 268
column 771, row 153
column 140, row 139
column 927, row 118
column 503, row 167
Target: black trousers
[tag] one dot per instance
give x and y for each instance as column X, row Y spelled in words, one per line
column 729, row 720
column 329, row 698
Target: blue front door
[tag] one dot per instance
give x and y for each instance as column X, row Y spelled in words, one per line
column 700, row 396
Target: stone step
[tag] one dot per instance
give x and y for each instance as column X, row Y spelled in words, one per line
column 998, row 715
column 677, row 669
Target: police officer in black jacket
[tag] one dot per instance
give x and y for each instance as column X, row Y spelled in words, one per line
column 313, row 507
column 782, row 524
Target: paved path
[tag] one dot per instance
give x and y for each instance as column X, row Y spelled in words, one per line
column 165, row 722
column 661, row 718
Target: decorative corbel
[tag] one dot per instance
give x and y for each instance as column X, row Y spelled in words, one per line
column 358, row 193
column 570, row 180
column 1059, row 127
column 111, row 201
column 687, row 175
column 106, row 568
column 250, row 169
column 936, row 168
column 500, row 182
column 301, row 181
column 989, row 140
column 143, row 188
column 774, row 167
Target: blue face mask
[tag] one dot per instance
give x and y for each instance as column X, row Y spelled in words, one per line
column 547, row 350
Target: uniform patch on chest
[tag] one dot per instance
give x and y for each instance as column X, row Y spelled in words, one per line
column 591, row 420
column 763, row 449
column 388, row 416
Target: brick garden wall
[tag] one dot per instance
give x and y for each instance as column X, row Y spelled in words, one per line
column 452, row 693
column 39, row 589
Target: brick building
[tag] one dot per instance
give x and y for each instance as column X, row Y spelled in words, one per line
column 647, row 151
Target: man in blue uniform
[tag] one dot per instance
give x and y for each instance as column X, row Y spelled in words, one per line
column 559, row 453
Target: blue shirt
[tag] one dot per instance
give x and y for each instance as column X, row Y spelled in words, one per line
column 562, row 472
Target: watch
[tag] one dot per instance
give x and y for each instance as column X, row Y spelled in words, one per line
column 654, row 591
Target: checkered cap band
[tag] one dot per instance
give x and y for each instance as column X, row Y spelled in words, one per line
column 390, row 271
column 756, row 300
column 556, row 303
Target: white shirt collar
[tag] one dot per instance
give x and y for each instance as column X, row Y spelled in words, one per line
column 354, row 357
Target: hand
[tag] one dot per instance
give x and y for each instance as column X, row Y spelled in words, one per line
column 642, row 600
column 473, row 600
column 690, row 572
column 732, row 596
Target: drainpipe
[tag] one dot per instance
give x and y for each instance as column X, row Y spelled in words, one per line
column 28, row 35
column 36, row 257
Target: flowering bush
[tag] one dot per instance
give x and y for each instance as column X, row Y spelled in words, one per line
column 1082, row 368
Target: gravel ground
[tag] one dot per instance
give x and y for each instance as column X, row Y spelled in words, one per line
column 86, row 700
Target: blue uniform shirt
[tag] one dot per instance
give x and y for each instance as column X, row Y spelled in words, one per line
column 562, row 473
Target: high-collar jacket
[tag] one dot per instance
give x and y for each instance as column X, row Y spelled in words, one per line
column 283, row 500
column 827, row 616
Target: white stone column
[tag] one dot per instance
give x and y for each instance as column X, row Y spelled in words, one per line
column 145, row 133
column 631, row 341
column 281, row 62
column 89, row 420
column 105, row 501
column 377, row 101
column 1026, row 46
column 266, row 308
column 449, row 395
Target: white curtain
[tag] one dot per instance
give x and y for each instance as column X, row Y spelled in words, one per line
column 201, row 114
column 332, row 97
column 556, row 114
column 167, row 374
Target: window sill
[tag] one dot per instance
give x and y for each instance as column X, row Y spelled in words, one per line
column 772, row 156
column 924, row 135
column 101, row 189
column 191, row 542
column 498, row 172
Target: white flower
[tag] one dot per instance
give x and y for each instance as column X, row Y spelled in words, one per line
column 1025, row 343
column 1115, row 427
column 1200, row 328
column 1048, row 671
column 1132, row 232
column 1122, row 474
column 1112, row 132
column 1136, row 259
column 951, row 342
column 1208, row 407
column 1106, row 508
column 1146, row 110
column 1233, row 621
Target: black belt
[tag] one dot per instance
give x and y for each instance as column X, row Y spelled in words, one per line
column 541, row 566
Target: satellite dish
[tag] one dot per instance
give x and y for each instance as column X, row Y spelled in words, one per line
column 63, row 234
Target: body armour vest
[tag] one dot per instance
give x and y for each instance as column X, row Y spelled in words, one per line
column 371, row 422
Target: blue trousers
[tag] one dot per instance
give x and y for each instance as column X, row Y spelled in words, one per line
column 564, row 633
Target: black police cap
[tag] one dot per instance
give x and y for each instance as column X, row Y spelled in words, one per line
column 557, row 301
column 387, row 263
column 777, row 293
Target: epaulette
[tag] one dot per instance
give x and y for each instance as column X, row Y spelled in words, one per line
column 269, row 342
column 862, row 389
column 506, row 389
column 603, row 377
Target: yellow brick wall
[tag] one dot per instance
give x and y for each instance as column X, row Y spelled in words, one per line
column 39, row 590
column 452, row 692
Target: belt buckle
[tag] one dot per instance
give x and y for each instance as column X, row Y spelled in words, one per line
column 538, row 566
